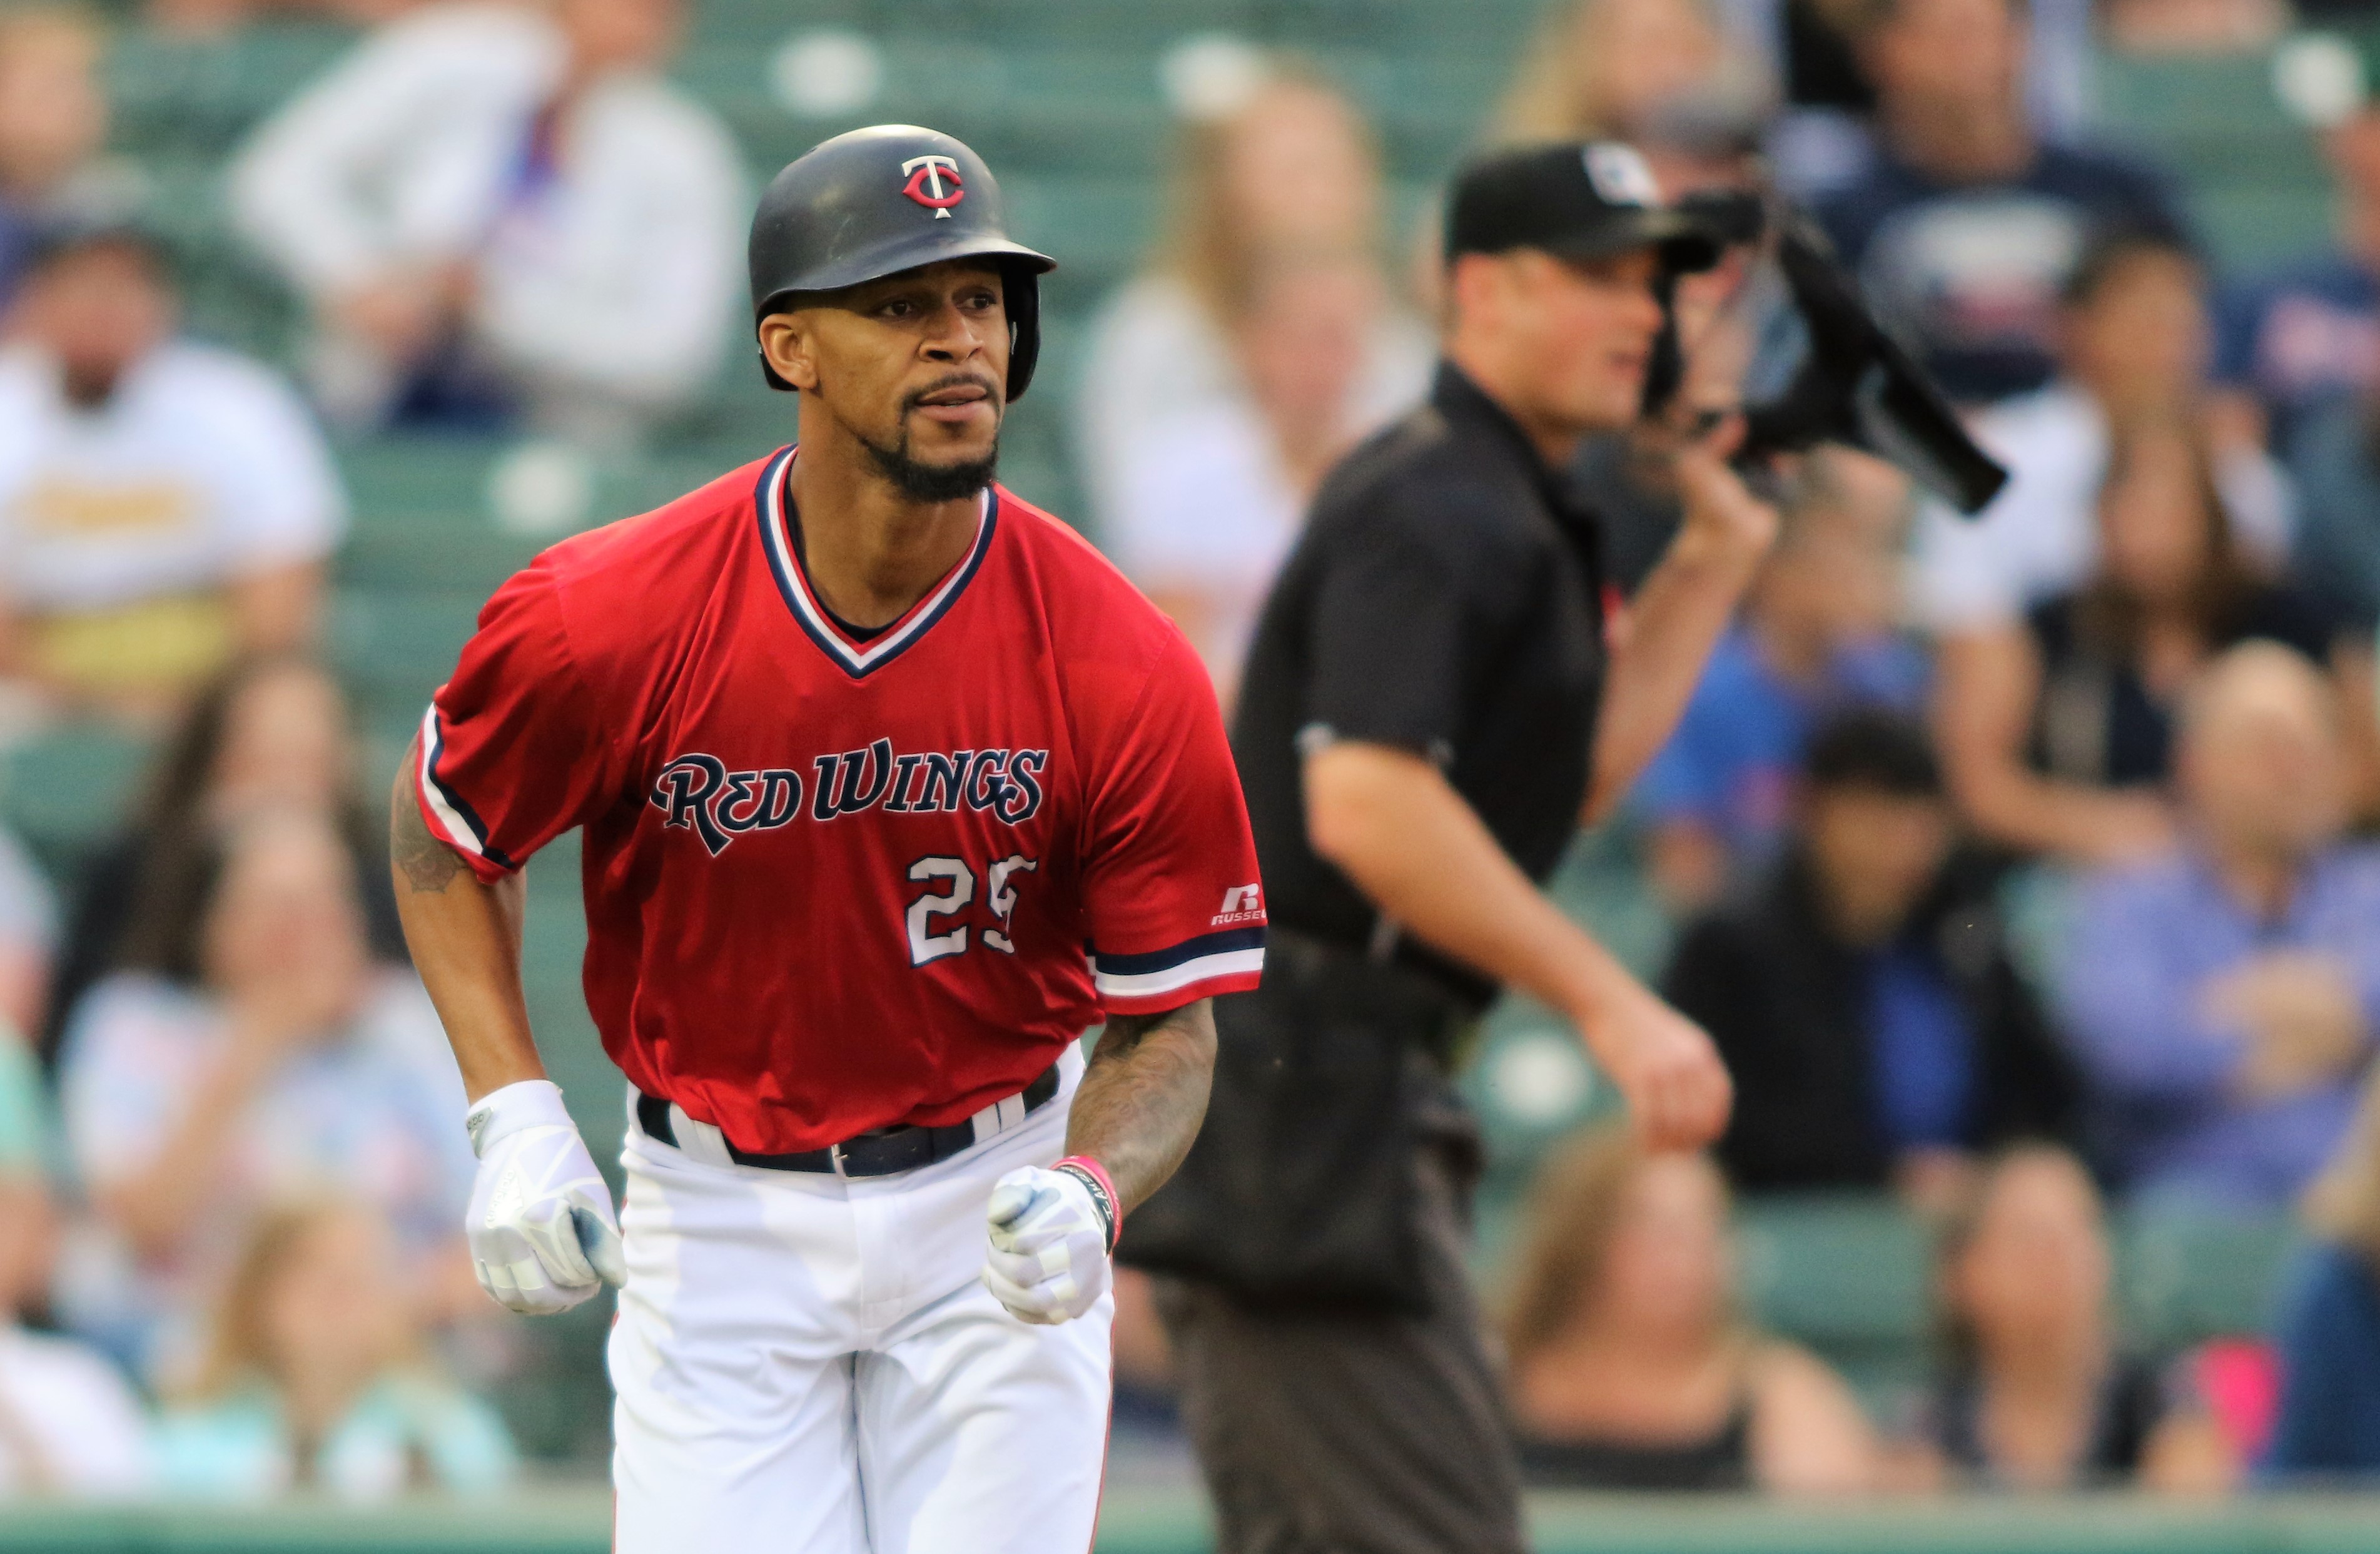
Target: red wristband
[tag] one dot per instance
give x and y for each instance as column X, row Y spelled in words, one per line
column 1103, row 1194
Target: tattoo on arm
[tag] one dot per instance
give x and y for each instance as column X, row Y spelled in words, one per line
column 1144, row 1095
column 428, row 864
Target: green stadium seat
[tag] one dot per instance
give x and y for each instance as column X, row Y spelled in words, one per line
column 2191, row 1275
column 435, row 479
column 67, row 790
column 2253, row 173
column 400, row 646
column 1843, row 1272
column 1851, row 1278
column 202, row 95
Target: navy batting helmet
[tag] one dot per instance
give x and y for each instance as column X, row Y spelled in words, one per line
column 890, row 197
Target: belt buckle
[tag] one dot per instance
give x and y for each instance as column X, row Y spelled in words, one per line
column 834, row 1153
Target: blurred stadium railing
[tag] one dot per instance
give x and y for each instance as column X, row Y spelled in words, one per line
column 1174, row 1523
column 1064, row 97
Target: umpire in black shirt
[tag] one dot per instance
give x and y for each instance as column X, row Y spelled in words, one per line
column 1439, row 693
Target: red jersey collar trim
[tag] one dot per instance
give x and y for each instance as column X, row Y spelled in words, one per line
column 857, row 659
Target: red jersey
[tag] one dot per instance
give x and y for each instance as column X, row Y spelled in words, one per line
column 835, row 884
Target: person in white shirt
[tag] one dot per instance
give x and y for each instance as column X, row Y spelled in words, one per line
column 2135, row 339
column 504, row 209
column 1223, row 382
column 69, row 1425
column 164, row 505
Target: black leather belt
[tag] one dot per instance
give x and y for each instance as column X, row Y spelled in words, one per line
column 882, row 1153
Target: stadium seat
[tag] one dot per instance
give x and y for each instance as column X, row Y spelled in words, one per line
column 2255, row 181
column 67, row 790
column 200, row 95
column 1851, row 1277
column 2190, row 1275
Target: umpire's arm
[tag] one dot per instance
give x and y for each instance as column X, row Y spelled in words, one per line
column 1678, row 617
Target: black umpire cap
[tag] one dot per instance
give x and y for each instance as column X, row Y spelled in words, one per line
column 1575, row 201
column 876, row 201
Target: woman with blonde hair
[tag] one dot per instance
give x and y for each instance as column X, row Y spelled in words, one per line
column 1630, row 1366
column 1260, row 342
column 315, row 1376
column 2328, row 1334
column 1603, row 68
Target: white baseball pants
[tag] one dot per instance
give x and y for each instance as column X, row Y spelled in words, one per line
column 809, row 1365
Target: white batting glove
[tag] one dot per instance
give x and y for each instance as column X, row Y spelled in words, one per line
column 1051, row 1239
column 541, row 1224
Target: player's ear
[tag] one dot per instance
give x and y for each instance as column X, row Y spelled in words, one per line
column 787, row 347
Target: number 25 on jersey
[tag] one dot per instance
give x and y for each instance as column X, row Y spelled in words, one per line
column 999, row 898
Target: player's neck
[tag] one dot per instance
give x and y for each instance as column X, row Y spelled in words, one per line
column 871, row 552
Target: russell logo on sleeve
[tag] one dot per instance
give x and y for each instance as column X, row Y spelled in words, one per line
column 1242, row 903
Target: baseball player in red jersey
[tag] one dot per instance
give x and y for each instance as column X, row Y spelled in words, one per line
column 891, row 787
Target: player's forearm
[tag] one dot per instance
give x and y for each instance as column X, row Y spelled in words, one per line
column 466, row 940
column 1398, row 829
column 1143, row 1096
column 1670, row 629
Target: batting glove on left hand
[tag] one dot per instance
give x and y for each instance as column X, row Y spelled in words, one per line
column 541, row 1224
column 1048, row 1261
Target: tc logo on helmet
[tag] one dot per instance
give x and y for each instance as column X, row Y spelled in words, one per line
column 934, row 183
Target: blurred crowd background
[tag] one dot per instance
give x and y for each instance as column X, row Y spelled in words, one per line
column 2020, row 868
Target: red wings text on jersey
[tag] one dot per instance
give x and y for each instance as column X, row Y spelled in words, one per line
column 832, row 884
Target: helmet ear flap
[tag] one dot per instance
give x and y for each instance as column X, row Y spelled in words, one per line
column 1021, row 290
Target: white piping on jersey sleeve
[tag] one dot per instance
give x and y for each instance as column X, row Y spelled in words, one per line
column 1173, row 979
column 456, row 828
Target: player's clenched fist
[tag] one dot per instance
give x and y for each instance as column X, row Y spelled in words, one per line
column 541, row 1224
column 1051, row 1234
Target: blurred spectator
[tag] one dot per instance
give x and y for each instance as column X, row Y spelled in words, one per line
column 2036, row 1395
column 495, row 213
column 2202, row 27
column 28, row 938
column 1966, row 226
column 2330, row 1322
column 316, row 1377
column 69, row 1426
column 2336, row 462
column 2222, row 998
column 2303, row 345
column 206, row 18
column 1614, row 69
column 270, row 732
column 2057, row 734
column 1863, row 999
column 1224, row 382
column 1630, row 1369
column 25, row 1146
column 2132, row 342
column 251, row 1049
column 52, row 125
column 164, row 504
column 2306, row 335
column 1817, row 635
column 1821, row 140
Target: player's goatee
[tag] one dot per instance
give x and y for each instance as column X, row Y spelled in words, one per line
column 921, row 481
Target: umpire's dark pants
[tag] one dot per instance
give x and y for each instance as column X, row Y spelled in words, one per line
column 1338, row 1433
